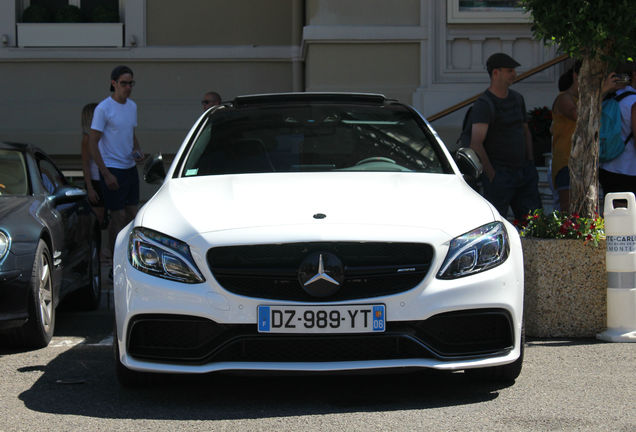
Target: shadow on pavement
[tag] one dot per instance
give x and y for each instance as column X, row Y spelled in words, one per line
column 561, row 342
column 81, row 381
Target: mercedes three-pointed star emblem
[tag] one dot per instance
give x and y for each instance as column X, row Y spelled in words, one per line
column 321, row 274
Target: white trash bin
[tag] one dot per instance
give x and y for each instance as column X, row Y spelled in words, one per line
column 620, row 230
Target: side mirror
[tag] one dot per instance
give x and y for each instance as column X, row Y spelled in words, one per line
column 469, row 164
column 68, row 194
column 154, row 171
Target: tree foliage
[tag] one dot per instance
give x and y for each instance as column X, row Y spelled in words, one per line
column 603, row 29
column 601, row 33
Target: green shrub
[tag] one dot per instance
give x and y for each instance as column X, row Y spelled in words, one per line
column 36, row 14
column 68, row 14
column 101, row 13
column 104, row 14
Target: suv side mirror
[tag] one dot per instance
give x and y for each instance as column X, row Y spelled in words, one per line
column 469, row 164
column 154, row 171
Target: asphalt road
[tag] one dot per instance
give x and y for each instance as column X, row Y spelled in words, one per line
column 565, row 385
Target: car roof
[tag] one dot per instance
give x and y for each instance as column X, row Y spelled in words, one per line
column 286, row 98
column 14, row 146
column 29, row 148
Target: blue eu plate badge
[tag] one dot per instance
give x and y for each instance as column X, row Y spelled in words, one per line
column 378, row 318
column 263, row 318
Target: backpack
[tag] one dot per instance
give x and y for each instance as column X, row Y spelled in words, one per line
column 611, row 143
column 467, row 125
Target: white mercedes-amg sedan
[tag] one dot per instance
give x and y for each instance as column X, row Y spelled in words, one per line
column 317, row 233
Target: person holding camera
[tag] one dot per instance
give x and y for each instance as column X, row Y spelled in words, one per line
column 619, row 175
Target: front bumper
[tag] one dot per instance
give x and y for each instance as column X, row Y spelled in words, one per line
column 14, row 294
column 165, row 326
column 190, row 340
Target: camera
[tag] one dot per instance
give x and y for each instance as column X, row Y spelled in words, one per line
column 623, row 79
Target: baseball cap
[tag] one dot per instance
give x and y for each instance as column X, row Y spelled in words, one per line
column 500, row 60
column 117, row 72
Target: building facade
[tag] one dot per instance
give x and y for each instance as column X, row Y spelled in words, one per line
column 429, row 53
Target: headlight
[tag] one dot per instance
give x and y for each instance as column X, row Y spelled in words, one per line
column 4, row 244
column 162, row 256
column 481, row 249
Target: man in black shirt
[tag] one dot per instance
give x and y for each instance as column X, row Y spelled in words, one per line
column 501, row 138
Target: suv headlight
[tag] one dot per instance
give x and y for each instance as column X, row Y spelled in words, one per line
column 478, row 250
column 162, row 256
column 4, row 244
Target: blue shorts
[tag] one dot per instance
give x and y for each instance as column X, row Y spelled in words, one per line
column 562, row 179
column 128, row 192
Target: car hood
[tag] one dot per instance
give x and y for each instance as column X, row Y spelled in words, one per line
column 17, row 218
column 185, row 207
column 14, row 209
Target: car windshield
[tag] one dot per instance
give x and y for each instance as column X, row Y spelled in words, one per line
column 13, row 176
column 313, row 137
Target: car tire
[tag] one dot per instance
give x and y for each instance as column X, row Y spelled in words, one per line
column 90, row 294
column 39, row 328
column 508, row 373
column 128, row 378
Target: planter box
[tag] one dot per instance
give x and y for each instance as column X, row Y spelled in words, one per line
column 565, row 288
column 70, row 34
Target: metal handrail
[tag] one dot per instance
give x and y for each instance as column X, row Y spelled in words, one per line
column 521, row 77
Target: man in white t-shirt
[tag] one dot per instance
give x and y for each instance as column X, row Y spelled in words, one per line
column 619, row 175
column 115, row 150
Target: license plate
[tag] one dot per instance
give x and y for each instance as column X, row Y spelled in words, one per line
column 322, row 319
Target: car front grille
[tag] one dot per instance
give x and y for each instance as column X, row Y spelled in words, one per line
column 190, row 340
column 371, row 269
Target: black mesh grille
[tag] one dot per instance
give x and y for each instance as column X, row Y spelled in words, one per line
column 188, row 340
column 468, row 332
column 273, row 348
column 271, row 271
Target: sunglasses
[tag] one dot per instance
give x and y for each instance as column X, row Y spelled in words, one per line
column 127, row 83
column 207, row 102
